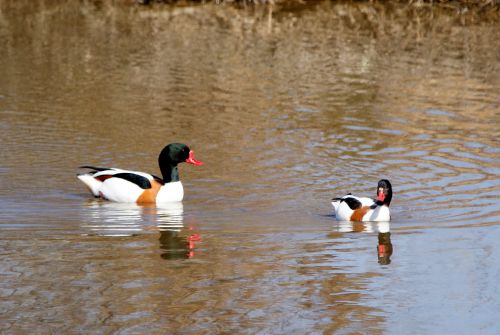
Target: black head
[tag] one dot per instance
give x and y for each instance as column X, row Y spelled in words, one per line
column 173, row 154
column 384, row 192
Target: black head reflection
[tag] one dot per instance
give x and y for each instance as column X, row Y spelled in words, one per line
column 176, row 240
column 177, row 245
column 384, row 248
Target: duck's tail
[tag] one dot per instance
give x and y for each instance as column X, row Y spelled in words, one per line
column 92, row 183
column 336, row 203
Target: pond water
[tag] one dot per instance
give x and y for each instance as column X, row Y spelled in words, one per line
column 288, row 107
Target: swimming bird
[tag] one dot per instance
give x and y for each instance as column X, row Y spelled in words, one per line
column 352, row 208
column 133, row 186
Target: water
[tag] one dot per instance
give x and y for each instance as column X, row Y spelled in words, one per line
column 287, row 108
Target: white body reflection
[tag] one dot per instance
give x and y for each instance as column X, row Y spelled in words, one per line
column 169, row 216
column 113, row 219
column 384, row 245
column 103, row 218
column 363, row 227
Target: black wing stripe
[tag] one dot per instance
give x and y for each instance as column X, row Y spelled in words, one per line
column 353, row 203
column 95, row 168
column 140, row 181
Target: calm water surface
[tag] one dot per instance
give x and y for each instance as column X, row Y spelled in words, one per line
column 287, row 108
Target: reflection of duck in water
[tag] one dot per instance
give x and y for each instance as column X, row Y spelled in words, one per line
column 124, row 219
column 352, row 208
column 177, row 244
column 139, row 187
column 384, row 246
column 112, row 219
column 176, row 241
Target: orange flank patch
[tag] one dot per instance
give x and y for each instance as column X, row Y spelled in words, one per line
column 149, row 195
column 358, row 214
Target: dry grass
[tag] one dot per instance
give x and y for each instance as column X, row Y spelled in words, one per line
column 471, row 4
column 466, row 11
column 471, row 10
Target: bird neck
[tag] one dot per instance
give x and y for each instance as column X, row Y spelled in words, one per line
column 170, row 173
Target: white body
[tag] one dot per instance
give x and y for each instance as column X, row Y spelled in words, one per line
column 343, row 212
column 121, row 190
column 170, row 192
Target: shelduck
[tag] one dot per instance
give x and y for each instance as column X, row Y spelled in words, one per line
column 352, row 208
column 133, row 186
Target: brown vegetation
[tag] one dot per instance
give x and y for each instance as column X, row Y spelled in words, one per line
column 462, row 5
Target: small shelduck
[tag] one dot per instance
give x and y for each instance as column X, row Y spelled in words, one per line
column 352, row 208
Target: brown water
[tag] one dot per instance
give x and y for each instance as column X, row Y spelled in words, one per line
column 287, row 108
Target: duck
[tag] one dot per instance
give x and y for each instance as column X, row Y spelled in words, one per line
column 128, row 186
column 353, row 208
